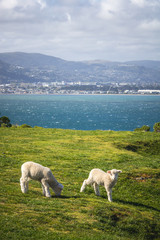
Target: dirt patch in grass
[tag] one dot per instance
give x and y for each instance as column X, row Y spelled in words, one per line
column 143, row 177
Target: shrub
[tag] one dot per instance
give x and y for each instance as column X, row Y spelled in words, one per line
column 156, row 127
column 25, row 126
column 5, row 122
column 143, row 129
column 38, row 127
column 3, row 125
column 14, row 126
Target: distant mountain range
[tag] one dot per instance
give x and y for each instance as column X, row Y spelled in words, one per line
column 19, row 67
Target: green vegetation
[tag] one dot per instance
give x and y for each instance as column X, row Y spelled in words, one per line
column 156, row 127
column 143, row 129
column 25, row 126
column 5, row 122
column 70, row 154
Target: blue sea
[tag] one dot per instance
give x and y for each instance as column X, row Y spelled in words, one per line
column 82, row 112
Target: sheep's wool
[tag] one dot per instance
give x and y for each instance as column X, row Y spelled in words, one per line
column 35, row 171
column 98, row 177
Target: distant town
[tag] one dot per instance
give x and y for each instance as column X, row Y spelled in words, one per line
column 77, row 88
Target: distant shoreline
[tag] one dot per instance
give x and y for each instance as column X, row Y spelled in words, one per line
column 81, row 94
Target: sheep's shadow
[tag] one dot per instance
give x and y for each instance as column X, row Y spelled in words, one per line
column 131, row 203
column 65, row 197
column 137, row 204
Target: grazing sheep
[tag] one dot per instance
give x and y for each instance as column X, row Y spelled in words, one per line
column 98, row 177
column 35, row 171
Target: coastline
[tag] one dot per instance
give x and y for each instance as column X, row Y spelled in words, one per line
column 80, row 94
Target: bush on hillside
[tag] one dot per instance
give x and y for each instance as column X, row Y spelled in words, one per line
column 5, row 122
column 14, row 125
column 38, row 127
column 3, row 125
column 25, row 126
column 143, row 129
column 156, row 127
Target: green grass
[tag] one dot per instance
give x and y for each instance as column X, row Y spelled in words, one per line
column 134, row 212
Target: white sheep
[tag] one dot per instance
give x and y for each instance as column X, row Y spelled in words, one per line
column 98, row 177
column 35, row 171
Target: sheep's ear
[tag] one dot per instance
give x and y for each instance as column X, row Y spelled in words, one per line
column 109, row 171
column 119, row 171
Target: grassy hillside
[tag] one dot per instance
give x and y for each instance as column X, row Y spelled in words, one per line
column 134, row 212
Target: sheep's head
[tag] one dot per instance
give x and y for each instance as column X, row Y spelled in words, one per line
column 58, row 189
column 114, row 173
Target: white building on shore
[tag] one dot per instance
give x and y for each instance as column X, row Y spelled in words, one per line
column 148, row 91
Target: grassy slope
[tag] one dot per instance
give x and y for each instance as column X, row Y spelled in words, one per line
column 134, row 214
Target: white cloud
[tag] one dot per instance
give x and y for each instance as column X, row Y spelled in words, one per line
column 8, row 4
column 68, row 17
column 139, row 3
column 145, row 3
column 41, row 3
column 81, row 29
column 153, row 25
column 111, row 9
column 12, row 4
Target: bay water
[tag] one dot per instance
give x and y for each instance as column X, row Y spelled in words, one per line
column 82, row 112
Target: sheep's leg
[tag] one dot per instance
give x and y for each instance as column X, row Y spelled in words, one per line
column 24, row 185
column 83, row 186
column 96, row 189
column 43, row 190
column 85, row 183
column 109, row 194
column 46, row 188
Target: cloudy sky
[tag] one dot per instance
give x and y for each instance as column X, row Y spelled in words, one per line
column 115, row 30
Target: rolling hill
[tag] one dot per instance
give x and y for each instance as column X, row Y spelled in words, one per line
column 34, row 67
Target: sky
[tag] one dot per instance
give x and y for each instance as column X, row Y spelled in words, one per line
column 78, row 30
